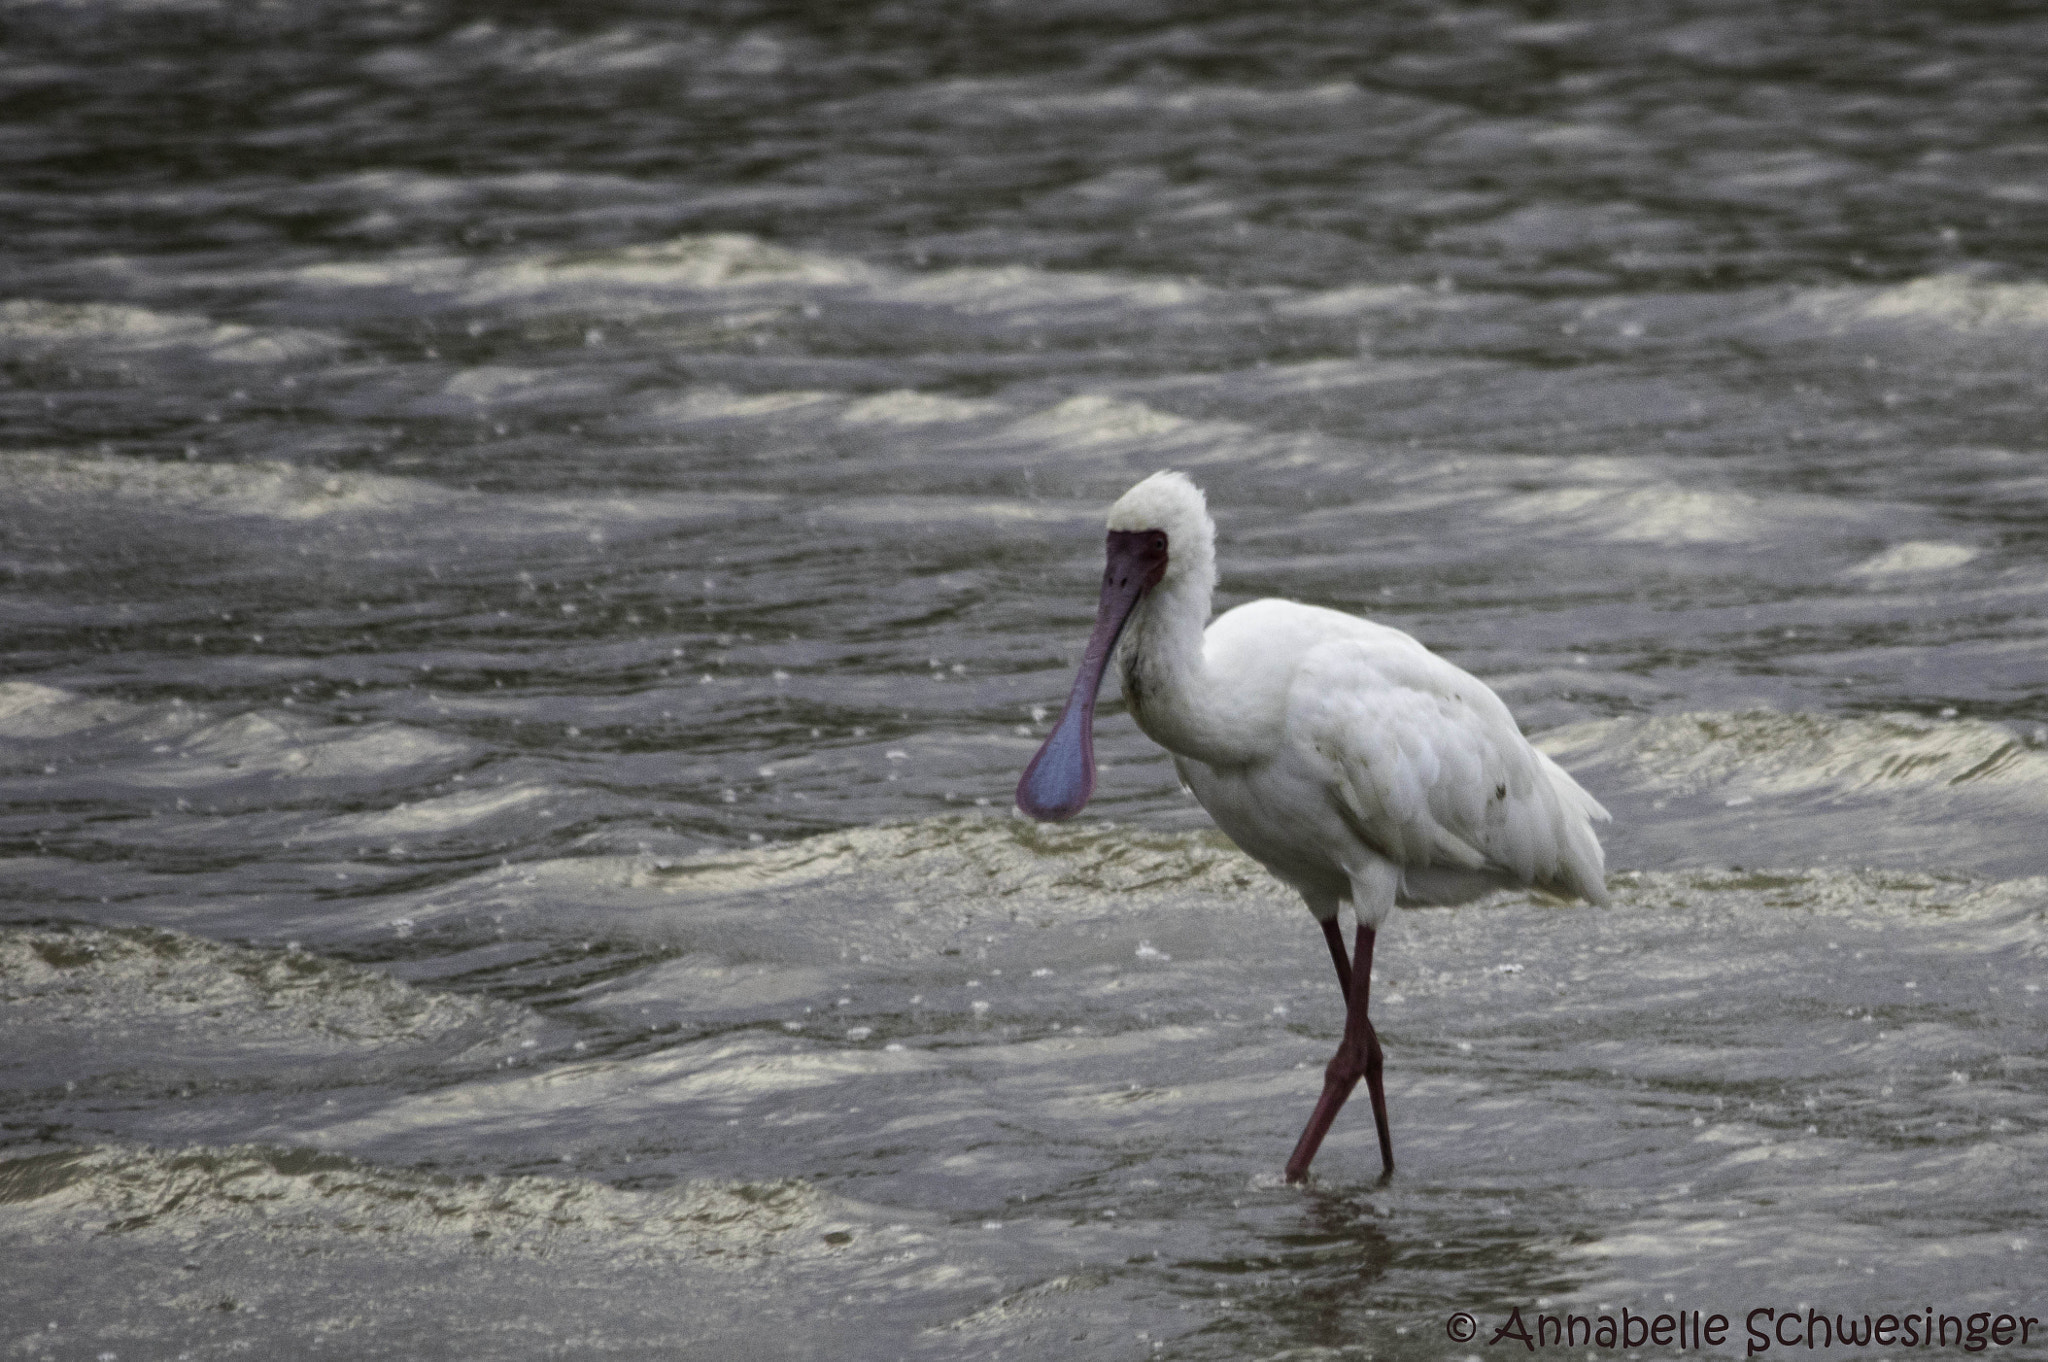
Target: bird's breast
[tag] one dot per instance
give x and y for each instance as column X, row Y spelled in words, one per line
column 1279, row 821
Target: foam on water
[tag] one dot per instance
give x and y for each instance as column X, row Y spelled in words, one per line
column 597, row 1104
column 905, row 408
column 277, row 747
column 1953, row 302
column 385, row 186
column 724, row 270
column 1093, row 426
column 434, row 817
column 394, row 1257
column 1671, row 514
column 1074, row 517
column 720, row 262
column 712, row 983
column 1098, row 418
column 272, row 1192
column 626, row 279
column 685, row 52
column 1891, row 789
column 95, row 1013
column 1915, row 556
column 1024, row 296
column 963, row 1013
column 723, row 404
column 1764, row 751
column 1005, row 859
column 905, row 892
column 499, row 385
column 254, row 769
column 32, row 711
column 35, row 330
column 273, row 490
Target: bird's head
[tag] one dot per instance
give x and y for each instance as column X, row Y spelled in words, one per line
column 1169, row 510
column 1159, row 533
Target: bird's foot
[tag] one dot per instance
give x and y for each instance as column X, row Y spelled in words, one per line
column 1295, row 1177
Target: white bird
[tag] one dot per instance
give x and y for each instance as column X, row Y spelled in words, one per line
column 1345, row 757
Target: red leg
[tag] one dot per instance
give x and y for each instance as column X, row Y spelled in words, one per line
column 1335, row 936
column 1358, row 1056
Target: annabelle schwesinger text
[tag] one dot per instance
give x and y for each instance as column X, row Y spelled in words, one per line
column 1769, row 1329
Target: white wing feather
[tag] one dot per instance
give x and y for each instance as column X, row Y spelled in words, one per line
column 1430, row 770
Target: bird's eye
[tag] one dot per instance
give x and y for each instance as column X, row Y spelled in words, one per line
column 1159, row 543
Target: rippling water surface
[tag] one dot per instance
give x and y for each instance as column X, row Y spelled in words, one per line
column 534, row 541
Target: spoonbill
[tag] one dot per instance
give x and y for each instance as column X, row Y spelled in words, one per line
column 1353, row 763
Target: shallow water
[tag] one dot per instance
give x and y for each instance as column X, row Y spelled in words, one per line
column 535, row 543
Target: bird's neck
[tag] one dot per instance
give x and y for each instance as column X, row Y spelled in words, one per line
column 1167, row 686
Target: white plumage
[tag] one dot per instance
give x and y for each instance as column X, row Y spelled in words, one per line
column 1385, row 756
column 1344, row 756
column 1341, row 754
